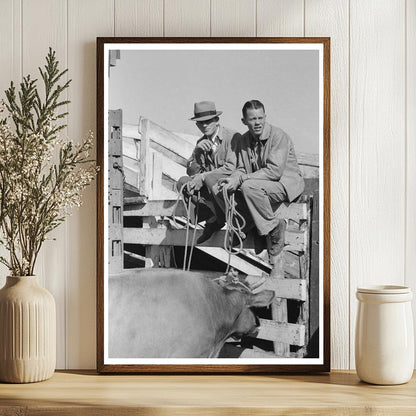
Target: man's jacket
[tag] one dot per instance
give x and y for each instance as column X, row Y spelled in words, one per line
column 276, row 161
column 222, row 160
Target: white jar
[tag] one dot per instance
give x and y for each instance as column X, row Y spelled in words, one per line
column 384, row 338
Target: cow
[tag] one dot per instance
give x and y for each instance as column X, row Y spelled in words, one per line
column 165, row 313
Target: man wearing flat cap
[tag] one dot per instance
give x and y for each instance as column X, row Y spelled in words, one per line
column 212, row 159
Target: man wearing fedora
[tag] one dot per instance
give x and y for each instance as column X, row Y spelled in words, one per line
column 213, row 158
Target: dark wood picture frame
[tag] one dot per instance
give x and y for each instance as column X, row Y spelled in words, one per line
column 314, row 286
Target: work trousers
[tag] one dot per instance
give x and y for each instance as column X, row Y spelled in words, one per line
column 208, row 206
column 256, row 200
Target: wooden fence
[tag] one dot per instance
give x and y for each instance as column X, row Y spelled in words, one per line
column 153, row 160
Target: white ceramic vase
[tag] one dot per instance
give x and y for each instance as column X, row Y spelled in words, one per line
column 384, row 338
column 27, row 331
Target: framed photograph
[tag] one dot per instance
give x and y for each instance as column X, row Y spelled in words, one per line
column 213, row 241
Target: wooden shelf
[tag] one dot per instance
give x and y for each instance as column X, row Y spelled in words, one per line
column 86, row 393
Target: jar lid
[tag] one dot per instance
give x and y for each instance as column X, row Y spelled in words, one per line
column 384, row 289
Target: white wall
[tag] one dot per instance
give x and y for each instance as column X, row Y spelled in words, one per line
column 373, row 132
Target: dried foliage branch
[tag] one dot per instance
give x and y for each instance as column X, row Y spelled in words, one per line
column 41, row 176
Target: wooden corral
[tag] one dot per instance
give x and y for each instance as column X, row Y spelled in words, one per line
column 153, row 159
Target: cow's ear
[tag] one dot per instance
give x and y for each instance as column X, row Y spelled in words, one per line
column 261, row 299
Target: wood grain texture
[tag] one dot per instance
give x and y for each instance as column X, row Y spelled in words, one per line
column 10, row 66
column 330, row 18
column 377, row 133
column 233, row 18
column 377, row 147
column 410, row 279
column 138, row 17
column 187, row 18
column 37, row 38
column 86, row 20
column 280, row 18
column 85, row 393
column 10, row 44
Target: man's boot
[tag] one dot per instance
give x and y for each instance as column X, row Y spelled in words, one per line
column 210, row 228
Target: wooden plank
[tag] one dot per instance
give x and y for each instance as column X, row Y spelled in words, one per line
column 156, row 182
column 131, row 146
column 308, row 159
column 177, row 238
column 292, row 265
column 170, row 141
column 236, row 262
column 147, row 262
column 158, row 256
column 279, row 304
column 86, row 20
column 145, row 159
column 292, row 334
column 84, row 393
column 295, row 211
column 309, row 309
column 286, row 288
column 171, row 168
column 115, row 188
column 280, row 18
column 10, row 44
column 187, row 18
column 309, row 172
column 169, row 155
column 331, row 18
column 138, row 17
column 411, row 150
column 131, row 131
column 132, row 176
column 10, row 67
column 36, row 40
column 256, row 353
column 233, row 18
column 377, row 140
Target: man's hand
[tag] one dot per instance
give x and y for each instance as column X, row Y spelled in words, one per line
column 195, row 184
column 230, row 184
column 204, row 145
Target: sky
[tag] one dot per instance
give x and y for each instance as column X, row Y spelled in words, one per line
column 163, row 86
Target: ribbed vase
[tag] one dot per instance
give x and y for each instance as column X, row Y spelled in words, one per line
column 27, row 331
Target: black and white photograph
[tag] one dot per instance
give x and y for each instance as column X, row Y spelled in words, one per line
column 213, row 250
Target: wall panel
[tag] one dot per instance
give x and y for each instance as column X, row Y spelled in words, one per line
column 10, row 44
column 10, row 65
column 187, row 18
column 373, row 126
column 138, row 17
column 44, row 24
column 86, row 21
column 330, row 18
column 411, row 149
column 377, row 140
column 280, row 18
column 233, row 18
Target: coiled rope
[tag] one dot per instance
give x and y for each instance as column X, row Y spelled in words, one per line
column 234, row 230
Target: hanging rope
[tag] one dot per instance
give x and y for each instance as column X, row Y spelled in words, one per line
column 194, row 233
column 235, row 225
column 187, row 205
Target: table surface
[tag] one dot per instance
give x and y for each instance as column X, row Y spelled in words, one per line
column 85, row 392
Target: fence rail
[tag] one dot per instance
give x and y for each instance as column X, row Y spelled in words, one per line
column 153, row 158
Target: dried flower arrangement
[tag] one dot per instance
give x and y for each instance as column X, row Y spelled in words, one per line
column 41, row 175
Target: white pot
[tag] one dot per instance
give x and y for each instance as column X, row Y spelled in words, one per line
column 27, row 331
column 384, row 337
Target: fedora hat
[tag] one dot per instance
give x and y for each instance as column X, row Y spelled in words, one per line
column 205, row 110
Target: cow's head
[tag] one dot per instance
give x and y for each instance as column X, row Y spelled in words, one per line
column 247, row 322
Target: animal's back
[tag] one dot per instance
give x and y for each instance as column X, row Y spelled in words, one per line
column 163, row 313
